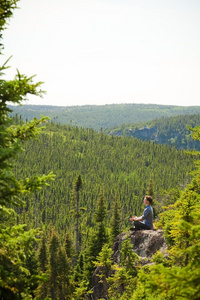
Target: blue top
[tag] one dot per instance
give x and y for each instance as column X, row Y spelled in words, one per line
column 148, row 216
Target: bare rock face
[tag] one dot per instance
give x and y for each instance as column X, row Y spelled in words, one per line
column 145, row 244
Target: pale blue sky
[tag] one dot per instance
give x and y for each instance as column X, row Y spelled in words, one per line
column 108, row 51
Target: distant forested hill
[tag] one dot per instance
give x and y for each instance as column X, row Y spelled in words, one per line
column 122, row 166
column 172, row 131
column 104, row 116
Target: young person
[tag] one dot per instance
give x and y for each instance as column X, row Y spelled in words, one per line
column 146, row 220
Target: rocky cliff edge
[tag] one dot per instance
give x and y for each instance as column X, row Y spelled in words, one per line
column 145, row 244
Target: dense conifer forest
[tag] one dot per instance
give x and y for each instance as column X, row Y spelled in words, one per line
column 66, row 192
column 122, row 166
column 103, row 116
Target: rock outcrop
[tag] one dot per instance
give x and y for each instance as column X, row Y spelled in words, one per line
column 145, row 244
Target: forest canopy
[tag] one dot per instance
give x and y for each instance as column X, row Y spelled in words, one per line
column 103, row 116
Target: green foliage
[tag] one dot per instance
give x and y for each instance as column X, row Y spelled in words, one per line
column 195, row 132
column 69, row 245
column 18, row 264
column 81, row 291
column 100, row 212
column 64, row 284
column 107, row 116
column 78, row 184
column 158, row 258
column 77, row 187
column 57, row 282
column 175, row 131
column 6, row 11
column 98, row 238
column 78, row 270
column 128, row 258
column 115, row 221
column 42, row 255
column 122, row 166
column 150, row 190
column 178, row 276
column 123, row 282
column 16, row 246
column 104, row 259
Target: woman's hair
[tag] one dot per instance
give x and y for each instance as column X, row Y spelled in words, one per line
column 149, row 198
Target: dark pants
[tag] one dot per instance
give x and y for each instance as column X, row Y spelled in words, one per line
column 140, row 225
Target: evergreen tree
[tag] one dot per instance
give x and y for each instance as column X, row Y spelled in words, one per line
column 64, row 284
column 53, row 265
column 104, row 259
column 69, row 245
column 17, row 260
column 42, row 290
column 42, row 256
column 150, row 190
column 100, row 212
column 100, row 215
column 122, row 282
column 98, row 238
column 115, row 221
column 77, row 187
column 79, row 269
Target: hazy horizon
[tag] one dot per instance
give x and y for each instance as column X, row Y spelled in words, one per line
column 156, row 104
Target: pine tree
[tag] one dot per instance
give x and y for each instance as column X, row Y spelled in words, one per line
column 100, row 212
column 77, row 188
column 115, row 221
column 64, row 284
column 53, row 265
column 42, row 256
column 98, row 238
column 42, row 290
column 123, row 280
column 79, row 268
column 100, row 215
column 68, row 245
column 150, row 189
column 17, row 260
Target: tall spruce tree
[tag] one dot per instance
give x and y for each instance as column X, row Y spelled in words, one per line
column 100, row 215
column 98, row 238
column 42, row 290
column 42, row 255
column 69, row 245
column 115, row 221
column 150, row 188
column 77, row 188
column 100, row 212
column 64, row 284
column 16, row 243
column 53, row 265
